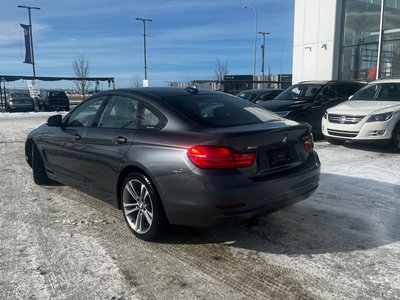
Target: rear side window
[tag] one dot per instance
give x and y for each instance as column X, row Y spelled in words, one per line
column 120, row 112
column 220, row 110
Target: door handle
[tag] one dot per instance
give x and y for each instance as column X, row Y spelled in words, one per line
column 76, row 137
column 120, row 140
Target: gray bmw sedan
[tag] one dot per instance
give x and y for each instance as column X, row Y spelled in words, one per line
column 177, row 156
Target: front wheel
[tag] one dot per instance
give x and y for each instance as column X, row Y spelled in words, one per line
column 142, row 208
column 396, row 139
column 38, row 169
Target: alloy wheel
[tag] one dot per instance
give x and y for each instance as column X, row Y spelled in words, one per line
column 137, row 206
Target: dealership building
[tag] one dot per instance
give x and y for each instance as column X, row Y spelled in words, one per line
column 346, row 39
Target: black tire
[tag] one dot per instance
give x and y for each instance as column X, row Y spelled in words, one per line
column 334, row 141
column 396, row 139
column 38, row 169
column 142, row 208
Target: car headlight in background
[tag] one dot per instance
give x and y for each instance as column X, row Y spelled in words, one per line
column 282, row 114
column 325, row 115
column 380, row 117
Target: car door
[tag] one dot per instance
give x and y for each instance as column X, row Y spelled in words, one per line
column 105, row 145
column 63, row 145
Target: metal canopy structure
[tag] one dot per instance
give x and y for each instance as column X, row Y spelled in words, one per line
column 10, row 78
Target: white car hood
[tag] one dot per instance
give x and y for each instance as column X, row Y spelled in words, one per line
column 364, row 108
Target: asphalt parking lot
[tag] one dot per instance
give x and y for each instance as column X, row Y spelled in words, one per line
column 342, row 243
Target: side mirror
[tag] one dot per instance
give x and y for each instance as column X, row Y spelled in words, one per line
column 54, row 121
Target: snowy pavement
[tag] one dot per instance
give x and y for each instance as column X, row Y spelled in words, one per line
column 342, row 243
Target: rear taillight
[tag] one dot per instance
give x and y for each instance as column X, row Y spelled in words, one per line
column 213, row 157
column 309, row 143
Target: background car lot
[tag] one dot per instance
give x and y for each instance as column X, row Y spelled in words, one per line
column 259, row 95
column 19, row 101
column 344, row 242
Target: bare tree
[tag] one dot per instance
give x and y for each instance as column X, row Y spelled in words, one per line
column 81, row 69
column 136, row 82
column 221, row 70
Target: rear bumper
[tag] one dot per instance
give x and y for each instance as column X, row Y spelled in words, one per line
column 21, row 108
column 56, row 105
column 192, row 198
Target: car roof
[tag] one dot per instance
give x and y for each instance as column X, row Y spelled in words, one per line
column 386, row 80
column 261, row 90
column 322, row 82
column 163, row 92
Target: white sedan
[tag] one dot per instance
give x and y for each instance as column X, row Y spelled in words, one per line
column 371, row 115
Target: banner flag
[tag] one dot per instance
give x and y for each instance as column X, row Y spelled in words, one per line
column 27, row 35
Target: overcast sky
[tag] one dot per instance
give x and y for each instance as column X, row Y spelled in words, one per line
column 184, row 39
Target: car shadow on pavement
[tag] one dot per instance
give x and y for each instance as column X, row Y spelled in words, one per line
column 378, row 148
column 345, row 214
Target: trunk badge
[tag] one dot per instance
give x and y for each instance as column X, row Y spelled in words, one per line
column 252, row 148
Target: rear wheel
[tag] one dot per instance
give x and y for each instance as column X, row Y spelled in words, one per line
column 142, row 208
column 396, row 138
column 334, row 141
column 39, row 171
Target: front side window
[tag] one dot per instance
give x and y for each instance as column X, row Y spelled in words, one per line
column 367, row 93
column 85, row 115
column 329, row 92
column 300, row 92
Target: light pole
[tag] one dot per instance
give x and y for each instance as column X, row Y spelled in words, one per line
column 145, row 82
column 263, row 53
column 255, row 41
column 30, row 34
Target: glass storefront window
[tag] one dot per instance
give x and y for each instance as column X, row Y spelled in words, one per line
column 361, row 22
column 390, row 59
column 359, row 62
column 360, row 40
column 391, row 22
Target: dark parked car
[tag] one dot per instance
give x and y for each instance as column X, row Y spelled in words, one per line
column 19, row 101
column 53, row 100
column 259, row 95
column 307, row 101
column 177, row 156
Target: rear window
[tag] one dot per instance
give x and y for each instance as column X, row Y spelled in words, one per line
column 220, row 110
column 57, row 94
column 20, row 95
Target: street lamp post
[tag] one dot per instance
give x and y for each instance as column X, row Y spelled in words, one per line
column 255, row 41
column 31, row 35
column 145, row 82
column 263, row 53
